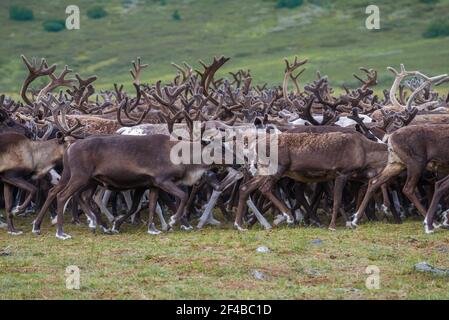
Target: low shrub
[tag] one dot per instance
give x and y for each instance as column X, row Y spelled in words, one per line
column 437, row 28
column 289, row 4
column 96, row 12
column 54, row 25
column 19, row 13
column 176, row 15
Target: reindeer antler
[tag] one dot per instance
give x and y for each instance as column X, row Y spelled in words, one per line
column 288, row 74
column 56, row 82
column 207, row 76
column 34, row 72
column 371, row 74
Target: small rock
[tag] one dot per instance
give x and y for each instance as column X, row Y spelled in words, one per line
column 5, row 252
column 424, row 266
column 314, row 273
column 443, row 249
column 263, row 249
column 317, row 242
column 259, row 275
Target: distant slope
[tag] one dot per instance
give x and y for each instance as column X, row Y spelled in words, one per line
column 255, row 34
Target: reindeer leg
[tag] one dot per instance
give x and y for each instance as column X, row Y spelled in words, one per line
column 209, row 207
column 281, row 206
column 101, row 199
column 129, row 204
column 245, row 190
column 22, row 185
column 172, row 188
column 8, row 196
column 340, row 182
column 413, row 175
column 258, row 215
column 390, row 171
column 160, row 214
column 135, row 206
column 91, row 217
column 154, row 192
column 52, row 193
column 441, row 187
column 76, row 184
column 386, row 205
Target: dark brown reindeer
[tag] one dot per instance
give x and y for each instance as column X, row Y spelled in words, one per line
column 140, row 162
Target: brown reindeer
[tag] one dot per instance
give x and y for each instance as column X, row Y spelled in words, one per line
column 414, row 148
column 310, row 157
column 140, row 162
column 21, row 158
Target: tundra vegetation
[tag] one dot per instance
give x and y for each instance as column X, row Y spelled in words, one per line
column 360, row 179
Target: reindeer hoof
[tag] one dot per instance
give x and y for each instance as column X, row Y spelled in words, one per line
column 16, row 210
column 239, row 228
column 35, row 230
column 351, row 225
column 332, row 229
column 186, row 227
column 428, row 230
column 15, row 233
column 105, row 230
column 63, row 236
column 172, row 222
column 152, row 230
column 54, row 221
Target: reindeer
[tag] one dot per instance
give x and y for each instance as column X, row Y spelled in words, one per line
column 20, row 158
column 312, row 157
column 414, row 148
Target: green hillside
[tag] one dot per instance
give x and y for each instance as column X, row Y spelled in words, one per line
column 255, row 33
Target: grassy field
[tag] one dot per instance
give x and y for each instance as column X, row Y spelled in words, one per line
column 254, row 33
column 219, row 263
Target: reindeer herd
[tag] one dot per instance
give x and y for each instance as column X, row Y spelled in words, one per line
column 67, row 148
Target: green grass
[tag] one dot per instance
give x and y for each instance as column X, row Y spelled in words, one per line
column 217, row 263
column 254, row 33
